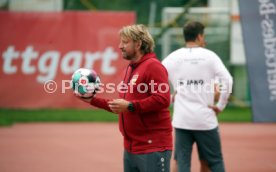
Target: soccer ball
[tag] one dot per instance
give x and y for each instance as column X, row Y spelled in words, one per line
column 85, row 82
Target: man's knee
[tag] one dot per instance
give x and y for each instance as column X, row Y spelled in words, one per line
column 216, row 165
column 204, row 166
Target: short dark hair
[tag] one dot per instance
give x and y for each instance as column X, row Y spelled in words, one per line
column 192, row 29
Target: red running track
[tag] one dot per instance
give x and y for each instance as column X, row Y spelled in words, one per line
column 89, row 147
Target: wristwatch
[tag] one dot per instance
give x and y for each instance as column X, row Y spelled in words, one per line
column 130, row 107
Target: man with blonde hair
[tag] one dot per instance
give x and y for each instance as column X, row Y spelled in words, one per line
column 144, row 118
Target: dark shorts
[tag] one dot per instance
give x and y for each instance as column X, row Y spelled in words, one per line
column 150, row 162
column 208, row 146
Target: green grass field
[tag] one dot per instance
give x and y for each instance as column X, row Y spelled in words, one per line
column 11, row 116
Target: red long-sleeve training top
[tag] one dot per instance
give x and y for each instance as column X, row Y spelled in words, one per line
column 148, row 128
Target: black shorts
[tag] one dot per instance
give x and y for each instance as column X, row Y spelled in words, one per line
column 208, row 146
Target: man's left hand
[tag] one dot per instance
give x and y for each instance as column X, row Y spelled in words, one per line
column 118, row 105
column 215, row 109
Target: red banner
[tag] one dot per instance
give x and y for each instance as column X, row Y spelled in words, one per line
column 40, row 51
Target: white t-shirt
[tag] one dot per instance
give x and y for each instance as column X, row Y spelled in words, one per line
column 192, row 73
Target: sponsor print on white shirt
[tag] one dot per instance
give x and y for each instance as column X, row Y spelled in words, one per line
column 193, row 73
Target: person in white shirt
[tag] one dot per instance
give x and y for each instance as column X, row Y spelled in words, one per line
column 193, row 71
